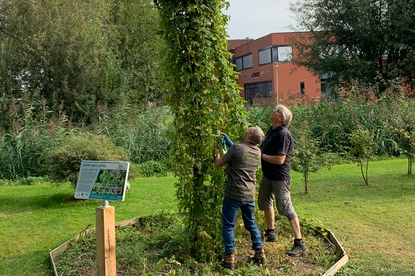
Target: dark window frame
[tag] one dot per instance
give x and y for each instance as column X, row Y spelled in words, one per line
column 261, row 89
column 243, row 62
column 274, row 55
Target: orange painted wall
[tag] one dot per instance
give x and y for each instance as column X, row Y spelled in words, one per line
column 288, row 76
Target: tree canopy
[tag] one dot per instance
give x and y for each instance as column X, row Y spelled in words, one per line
column 78, row 56
column 368, row 42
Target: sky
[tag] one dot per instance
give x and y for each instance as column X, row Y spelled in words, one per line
column 257, row 18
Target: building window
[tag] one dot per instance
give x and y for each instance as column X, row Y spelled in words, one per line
column 275, row 54
column 244, row 62
column 257, row 90
column 284, row 53
column 302, row 88
column 265, row 56
column 238, row 63
column 247, row 61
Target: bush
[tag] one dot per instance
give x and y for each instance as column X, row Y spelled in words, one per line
column 63, row 163
column 152, row 168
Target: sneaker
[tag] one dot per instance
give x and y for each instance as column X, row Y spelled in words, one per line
column 229, row 261
column 298, row 249
column 259, row 257
column 270, row 236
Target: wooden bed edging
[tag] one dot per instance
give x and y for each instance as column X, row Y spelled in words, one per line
column 330, row 236
column 343, row 260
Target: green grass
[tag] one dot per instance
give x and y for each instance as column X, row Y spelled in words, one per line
column 373, row 223
column 35, row 219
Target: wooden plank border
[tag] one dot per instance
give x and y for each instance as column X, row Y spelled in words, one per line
column 330, row 237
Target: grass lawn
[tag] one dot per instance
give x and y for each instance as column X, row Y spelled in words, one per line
column 373, row 223
column 40, row 217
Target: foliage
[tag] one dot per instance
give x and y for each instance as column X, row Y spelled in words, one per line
column 27, row 135
column 80, row 56
column 260, row 117
column 204, row 100
column 307, row 156
column 143, row 133
column 57, row 49
column 63, row 162
column 138, row 49
column 403, row 123
column 362, row 148
column 371, row 42
column 152, row 168
column 332, row 121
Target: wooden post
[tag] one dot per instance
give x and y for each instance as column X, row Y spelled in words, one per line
column 105, row 225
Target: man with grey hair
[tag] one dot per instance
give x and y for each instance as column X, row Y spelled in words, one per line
column 276, row 155
column 242, row 160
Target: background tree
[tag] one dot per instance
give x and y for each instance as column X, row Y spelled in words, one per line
column 82, row 57
column 371, row 42
column 204, row 99
column 58, row 51
column 138, row 48
column 403, row 123
column 307, row 155
column 362, row 148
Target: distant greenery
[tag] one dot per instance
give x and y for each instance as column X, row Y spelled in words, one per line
column 79, row 58
column 62, row 163
column 145, row 135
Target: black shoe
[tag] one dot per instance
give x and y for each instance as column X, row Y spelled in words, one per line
column 270, row 236
column 298, row 249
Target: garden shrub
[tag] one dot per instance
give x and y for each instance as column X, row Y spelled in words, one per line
column 152, row 168
column 63, row 162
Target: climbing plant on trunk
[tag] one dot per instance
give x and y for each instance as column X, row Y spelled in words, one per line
column 204, row 99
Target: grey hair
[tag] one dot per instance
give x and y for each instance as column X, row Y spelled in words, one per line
column 256, row 134
column 286, row 114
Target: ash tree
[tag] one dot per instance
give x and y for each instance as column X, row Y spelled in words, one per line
column 204, row 99
column 368, row 42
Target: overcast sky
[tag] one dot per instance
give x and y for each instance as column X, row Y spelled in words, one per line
column 257, row 18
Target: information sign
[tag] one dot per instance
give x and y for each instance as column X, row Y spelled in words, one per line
column 106, row 180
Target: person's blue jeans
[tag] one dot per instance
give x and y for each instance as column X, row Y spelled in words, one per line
column 230, row 209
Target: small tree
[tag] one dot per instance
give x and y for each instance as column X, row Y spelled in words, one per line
column 407, row 143
column 403, row 123
column 307, row 156
column 362, row 148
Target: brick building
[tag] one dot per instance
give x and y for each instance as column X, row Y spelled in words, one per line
column 267, row 73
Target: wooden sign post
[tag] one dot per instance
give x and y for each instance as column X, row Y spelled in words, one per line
column 105, row 180
column 105, row 240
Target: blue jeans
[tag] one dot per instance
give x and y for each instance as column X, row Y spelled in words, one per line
column 230, row 209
